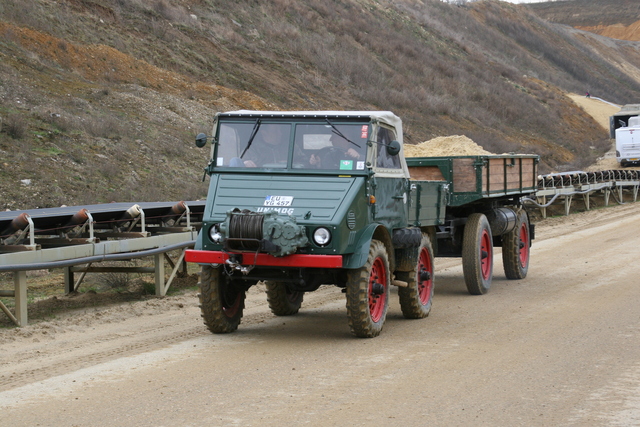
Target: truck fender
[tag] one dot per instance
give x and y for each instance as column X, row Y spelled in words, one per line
column 199, row 245
column 358, row 258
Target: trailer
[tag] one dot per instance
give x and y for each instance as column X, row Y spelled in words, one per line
column 303, row 199
column 483, row 209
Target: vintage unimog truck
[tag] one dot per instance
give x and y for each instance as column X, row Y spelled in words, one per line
column 302, row 199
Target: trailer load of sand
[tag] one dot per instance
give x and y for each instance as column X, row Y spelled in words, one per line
column 445, row 146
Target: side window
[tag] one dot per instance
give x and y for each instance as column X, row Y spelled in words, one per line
column 227, row 145
column 384, row 160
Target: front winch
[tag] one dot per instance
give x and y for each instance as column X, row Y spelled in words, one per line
column 267, row 232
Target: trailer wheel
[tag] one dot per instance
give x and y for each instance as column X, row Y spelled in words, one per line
column 368, row 293
column 283, row 301
column 415, row 299
column 516, row 246
column 221, row 303
column 477, row 254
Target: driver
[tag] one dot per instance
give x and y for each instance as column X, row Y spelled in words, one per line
column 271, row 145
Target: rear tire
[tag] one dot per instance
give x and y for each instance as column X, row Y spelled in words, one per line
column 368, row 293
column 516, row 246
column 416, row 299
column 282, row 301
column 477, row 254
column 221, row 303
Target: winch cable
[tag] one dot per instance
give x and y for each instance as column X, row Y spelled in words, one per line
column 246, row 226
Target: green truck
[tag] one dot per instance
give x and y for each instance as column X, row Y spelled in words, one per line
column 302, row 199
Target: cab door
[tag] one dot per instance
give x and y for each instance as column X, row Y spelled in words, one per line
column 389, row 184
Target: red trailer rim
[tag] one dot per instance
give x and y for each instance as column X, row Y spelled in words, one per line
column 486, row 255
column 524, row 245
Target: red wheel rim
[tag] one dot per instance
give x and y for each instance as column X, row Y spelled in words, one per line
column 425, row 287
column 377, row 302
column 524, row 246
column 231, row 310
column 486, row 255
column 293, row 297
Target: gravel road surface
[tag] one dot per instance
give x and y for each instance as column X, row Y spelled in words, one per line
column 561, row 347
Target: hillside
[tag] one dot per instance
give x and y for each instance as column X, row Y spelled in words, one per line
column 588, row 12
column 100, row 100
column 618, row 19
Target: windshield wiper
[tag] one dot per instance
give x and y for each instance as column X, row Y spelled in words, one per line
column 256, row 126
column 340, row 134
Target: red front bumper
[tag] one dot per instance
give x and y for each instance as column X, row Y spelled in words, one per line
column 250, row 258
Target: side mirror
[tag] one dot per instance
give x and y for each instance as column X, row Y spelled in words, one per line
column 393, row 148
column 201, row 140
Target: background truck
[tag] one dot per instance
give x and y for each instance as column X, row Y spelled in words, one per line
column 624, row 127
column 621, row 118
column 628, row 142
column 304, row 199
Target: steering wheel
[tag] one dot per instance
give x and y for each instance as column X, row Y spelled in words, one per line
column 331, row 156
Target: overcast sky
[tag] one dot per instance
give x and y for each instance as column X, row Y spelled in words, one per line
column 527, row 1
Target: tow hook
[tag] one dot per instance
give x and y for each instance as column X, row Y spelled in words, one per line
column 235, row 261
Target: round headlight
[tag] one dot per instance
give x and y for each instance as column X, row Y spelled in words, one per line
column 214, row 234
column 322, row 236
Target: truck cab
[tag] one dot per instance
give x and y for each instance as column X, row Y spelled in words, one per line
column 296, row 198
column 320, row 174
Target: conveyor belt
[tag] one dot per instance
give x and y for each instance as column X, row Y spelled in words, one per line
column 68, row 236
column 564, row 186
column 50, row 220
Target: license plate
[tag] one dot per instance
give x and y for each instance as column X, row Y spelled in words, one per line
column 278, row 201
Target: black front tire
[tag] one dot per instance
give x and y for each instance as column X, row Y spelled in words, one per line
column 221, row 303
column 282, row 301
column 368, row 293
column 416, row 299
column 477, row 254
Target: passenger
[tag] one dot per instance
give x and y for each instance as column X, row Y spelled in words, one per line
column 330, row 157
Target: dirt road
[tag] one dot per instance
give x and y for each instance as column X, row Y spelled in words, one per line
column 561, row 347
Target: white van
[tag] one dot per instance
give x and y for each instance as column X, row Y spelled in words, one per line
column 628, row 142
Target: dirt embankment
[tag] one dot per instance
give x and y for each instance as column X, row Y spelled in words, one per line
column 617, row 31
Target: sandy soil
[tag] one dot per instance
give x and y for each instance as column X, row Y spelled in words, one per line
column 561, row 347
column 598, row 109
column 442, row 146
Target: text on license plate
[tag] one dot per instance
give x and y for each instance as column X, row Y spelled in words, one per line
column 278, row 201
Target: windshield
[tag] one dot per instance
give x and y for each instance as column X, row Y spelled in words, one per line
column 264, row 144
